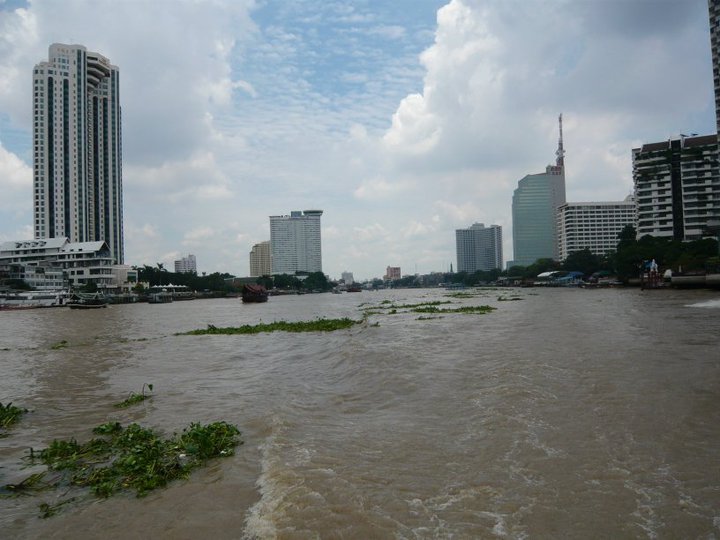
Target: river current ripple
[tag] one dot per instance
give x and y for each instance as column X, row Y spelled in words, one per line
column 568, row 413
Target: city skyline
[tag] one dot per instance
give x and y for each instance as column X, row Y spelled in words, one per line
column 402, row 126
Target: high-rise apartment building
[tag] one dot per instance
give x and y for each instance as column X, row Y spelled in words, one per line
column 534, row 211
column 593, row 225
column 677, row 187
column 479, row 248
column 260, row 259
column 77, row 148
column 295, row 242
column 347, row 278
column 186, row 265
column 714, row 13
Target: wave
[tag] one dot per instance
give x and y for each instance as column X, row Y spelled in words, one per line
column 707, row 304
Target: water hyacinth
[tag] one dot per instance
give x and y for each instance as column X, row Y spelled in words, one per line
column 319, row 325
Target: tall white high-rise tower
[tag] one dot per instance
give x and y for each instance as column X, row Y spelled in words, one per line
column 77, row 148
column 295, row 242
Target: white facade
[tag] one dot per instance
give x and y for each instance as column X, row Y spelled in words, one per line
column 186, row 265
column 295, row 242
column 348, row 278
column 77, row 148
column 260, row 260
column 677, row 187
column 593, row 225
column 479, row 248
column 82, row 262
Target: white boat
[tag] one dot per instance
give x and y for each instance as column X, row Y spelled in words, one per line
column 33, row 299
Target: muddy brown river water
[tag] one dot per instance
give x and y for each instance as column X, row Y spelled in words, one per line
column 568, row 414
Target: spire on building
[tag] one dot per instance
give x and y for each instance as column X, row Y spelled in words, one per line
column 560, row 153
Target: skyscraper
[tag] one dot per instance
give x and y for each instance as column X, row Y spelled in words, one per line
column 534, row 211
column 260, row 259
column 714, row 13
column 77, row 148
column 479, row 248
column 295, row 242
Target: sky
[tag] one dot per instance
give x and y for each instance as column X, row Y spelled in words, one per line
column 402, row 120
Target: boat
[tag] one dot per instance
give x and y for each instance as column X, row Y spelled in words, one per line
column 254, row 294
column 160, row 297
column 17, row 300
column 354, row 288
column 87, row 301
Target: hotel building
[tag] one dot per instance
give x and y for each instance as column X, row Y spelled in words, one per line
column 295, row 242
column 593, row 225
column 77, row 149
column 479, row 248
column 186, row 265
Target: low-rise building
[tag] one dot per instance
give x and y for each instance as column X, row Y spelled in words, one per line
column 186, row 265
column 392, row 272
column 83, row 263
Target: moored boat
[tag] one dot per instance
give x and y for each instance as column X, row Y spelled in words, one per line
column 87, row 301
column 254, row 294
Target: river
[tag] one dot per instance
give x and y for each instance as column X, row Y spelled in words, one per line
column 569, row 413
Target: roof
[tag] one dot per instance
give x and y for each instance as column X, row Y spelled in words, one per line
column 85, row 246
column 38, row 243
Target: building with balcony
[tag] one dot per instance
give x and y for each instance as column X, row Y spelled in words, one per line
column 82, row 263
column 77, row 149
column 677, row 187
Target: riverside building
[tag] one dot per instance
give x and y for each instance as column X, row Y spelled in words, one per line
column 83, row 263
column 714, row 15
column 260, row 260
column 677, row 187
column 479, row 248
column 77, row 149
column 593, row 225
column 186, row 265
column 295, row 242
column 534, row 211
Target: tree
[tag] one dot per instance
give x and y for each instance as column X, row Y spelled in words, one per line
column 582, row 261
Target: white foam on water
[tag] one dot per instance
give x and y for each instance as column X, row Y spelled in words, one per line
column 712, row 304
column 274, row 481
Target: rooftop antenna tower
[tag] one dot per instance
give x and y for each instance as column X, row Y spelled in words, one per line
column 560, row 153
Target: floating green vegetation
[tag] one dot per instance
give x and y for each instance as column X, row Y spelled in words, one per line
column 134, row 398
column 423, row 318
column 463, row 309
column 132, row 458
column 319, row 325
column 508, row 298
column 30, row 486
column 9, row 415
column 462, row 295
column 49, row 510
column 59, row 345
